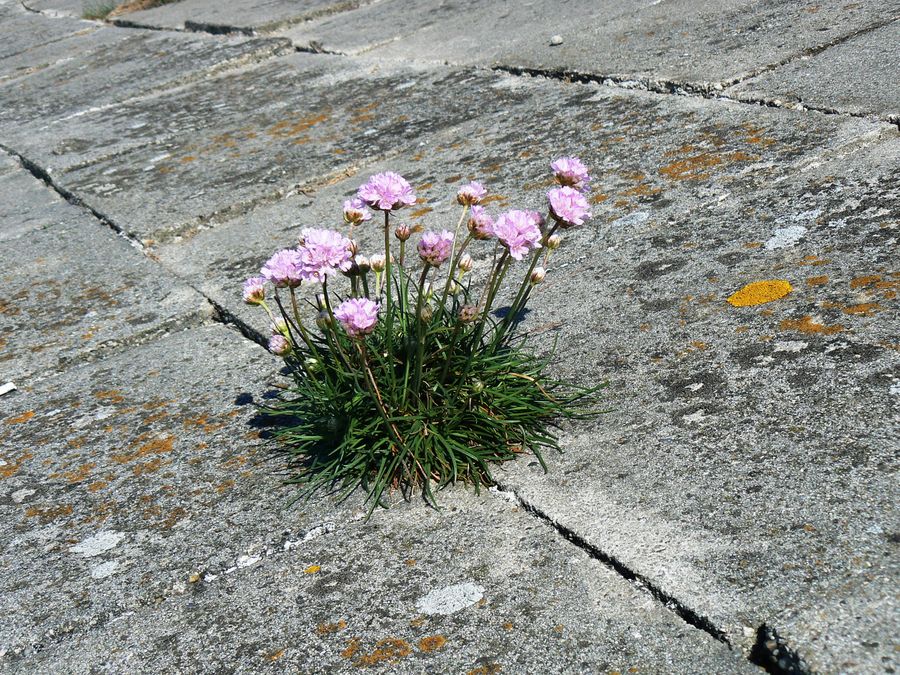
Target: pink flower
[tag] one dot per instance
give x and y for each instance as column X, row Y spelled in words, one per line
column 434, row 248
column 471, row 194
column 519, row 232
column 481, row 225
column 572, row 172
column 323, row 253
column 254, row 290
column 568, row 206
column 283, row 269
column 355, row 211
column 387, row 191
column 358, row 316
column 279, row 346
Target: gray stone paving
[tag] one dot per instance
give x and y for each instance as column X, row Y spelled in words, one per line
column 735, row 507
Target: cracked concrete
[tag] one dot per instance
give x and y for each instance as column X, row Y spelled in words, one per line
column 736, row 509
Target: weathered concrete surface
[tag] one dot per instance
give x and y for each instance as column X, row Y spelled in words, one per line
column 134, row 490
column 230, row 143
column 681, row 41
column 24, row 31
column 860, row 76
column 243, row 15
column 70, row 286
column 67, row 110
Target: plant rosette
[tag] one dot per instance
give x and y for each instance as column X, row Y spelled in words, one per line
column 403, row 375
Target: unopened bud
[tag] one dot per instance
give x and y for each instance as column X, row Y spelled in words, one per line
column 426, row 313
column 465, row 263
column 553, row 242
column 468, row 313
column 320, row 302
column 353, row 247
column 403, row 232
column 280, row 327
column 537, row 276
column 377, row 262
column 477, row 386
column 363, row 263
column 455, row 288
column 279, row 346
column 323, row 319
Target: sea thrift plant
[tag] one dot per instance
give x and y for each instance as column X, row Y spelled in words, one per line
column 407, row 373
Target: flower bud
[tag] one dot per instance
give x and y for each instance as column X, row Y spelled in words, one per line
column 468, row 313
column 465, row 263
column 255, row 290
column 403, row 232
column 323, row 319
column 426, row 313
column 353, row 247
column 279, row 346
column 455, row 288
column 377, row 262
column 477, row 386
column 280, row 327
column 363, row 263
column 537, row 276
column 320, row 302
column 554, row 242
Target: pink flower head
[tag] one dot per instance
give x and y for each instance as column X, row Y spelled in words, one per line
column 572, row 172
column 358, row 316
column 283, row 269
column 279, row 345
column 323, row 253
column 519, row 232
column 471, row 194
column 387, row 192
column 435, row 247
column 568, row 206
column 355, row 211
column 254, row 290
column 481, row 225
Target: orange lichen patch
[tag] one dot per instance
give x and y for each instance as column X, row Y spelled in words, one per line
column 432, row 643
column 8, row 309
column 225, row 486
column 202, row 422
column 558, row 628
column 289, row 128
column 760, row 292
column 20, row 419
column 489, row 669
column 50, row 513
column 174, row 516
column 12, row 466
column 235, row 462
column 274, row 656
column 753, row 244
column 494, row 198
column 742, row 329
column 807, row 325
column 312, row 569
column 352, row 647
column 410, row 562
column 424, row 186
column 813, row 260
column 110, row 396
column 621, row 203
column 389, row 650
column 697, row 344
column 418, row 622
column 150, row 467
column 79, row 474
column 817, row 281
column 862, row 282
column 754, row 135
column 865, row 308
column 96, row 486
column 599, row 198
column 696, row 167
column 508, row 625
column 418, row 213
column 329, row 628
column 155, row 446
column 642, row 190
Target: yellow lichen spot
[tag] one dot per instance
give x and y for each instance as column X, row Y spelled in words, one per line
column 389, row 650
column 20, row 419
column 807, row 325
column 760, row 292
column 432, row 643
column 352, row 647
column 599, row 198
column 410, row 562
column 489, row 669
column 328, row 628
column 275, row 655
column 312, row 569
column 508, row 625
column 194, row 578
column 817, row 281
column 753, row 244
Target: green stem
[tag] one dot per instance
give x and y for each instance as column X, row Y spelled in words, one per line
column 420, row 342
column 389, row 309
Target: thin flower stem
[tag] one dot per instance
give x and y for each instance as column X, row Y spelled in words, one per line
column 300, row 325
column 420, row 342
column 389, row 309
column 379, row 401
column 450, row 349
column 331, row 335
column 454, row 257
column 451, row 273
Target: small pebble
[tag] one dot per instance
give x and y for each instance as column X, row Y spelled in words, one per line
column 556, row 40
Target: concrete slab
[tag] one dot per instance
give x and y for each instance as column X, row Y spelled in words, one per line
column 76, row 81
column 63, row 8
column 244, row 16
column 72, row 288
column 24, row 30
column 749, row 447
column 859, row 76
column 697, row 42
column 229, row 143
column 143, row 529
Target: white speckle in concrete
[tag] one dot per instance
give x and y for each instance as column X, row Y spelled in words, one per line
column 695, row 386
column 248, row 560
column 556, row 40
column 785, row 236
column 104, row 570
column 100, row 542
column 636, row 218
column 19, row 495
column 791, row 346
column 895, row 389
column 451, row 599
column 695, row 417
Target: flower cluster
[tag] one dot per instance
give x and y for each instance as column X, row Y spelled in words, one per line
column 396, row 350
